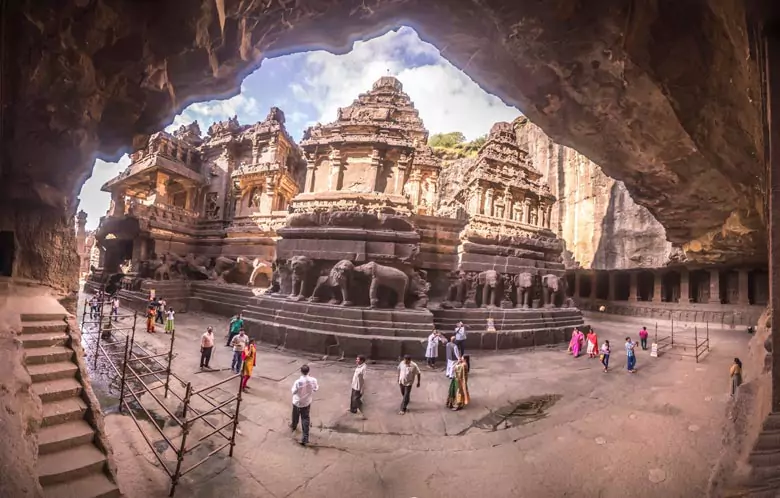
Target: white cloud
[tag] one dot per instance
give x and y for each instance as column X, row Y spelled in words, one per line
column 447, row 99
column 212, row 111
column 92, row 200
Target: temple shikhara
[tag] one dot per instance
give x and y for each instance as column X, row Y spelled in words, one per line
column 351, row 241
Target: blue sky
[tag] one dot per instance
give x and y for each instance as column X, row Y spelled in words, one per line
column 309, row 87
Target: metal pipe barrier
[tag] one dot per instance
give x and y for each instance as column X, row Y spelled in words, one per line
column 133, row 365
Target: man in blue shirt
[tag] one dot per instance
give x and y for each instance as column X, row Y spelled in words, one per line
column 630, row 345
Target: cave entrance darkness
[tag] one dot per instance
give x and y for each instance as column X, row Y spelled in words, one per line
column 758, row 287
column 645, row 281
column 586, row 285
column 7, row 253
column 670, row 287
column 602, row 285
column 622, row 286
column 699, row 281
column 570, row 284
column 729, row 287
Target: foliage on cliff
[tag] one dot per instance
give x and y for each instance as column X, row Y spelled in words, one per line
column 453, row 145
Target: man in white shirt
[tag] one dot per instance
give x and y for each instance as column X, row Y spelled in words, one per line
column 407, row 371
column 303, row 390
column 115, row 308
column 239, row 343
column 206, row 347
column 358, row 383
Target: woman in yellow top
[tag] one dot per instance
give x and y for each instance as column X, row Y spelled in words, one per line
column 736, row 376
column 250, row 360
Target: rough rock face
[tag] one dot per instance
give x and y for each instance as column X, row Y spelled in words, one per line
column 595, row 215
column 683, row 133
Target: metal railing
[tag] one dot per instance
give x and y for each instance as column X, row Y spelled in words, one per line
column 682, row 343
column 134, row 366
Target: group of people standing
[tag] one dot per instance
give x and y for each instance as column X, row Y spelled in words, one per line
column 591, row 344
column 458, row 365
column 244, row 350
column 158, row 312
column 96, row 301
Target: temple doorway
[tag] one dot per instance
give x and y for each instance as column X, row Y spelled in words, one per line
column 602, row 285
column 699, row 286
column 622, row 286
column 670, row 287
column 7, row 253
column 570, row 284
column 729, row 287
column 645, row 282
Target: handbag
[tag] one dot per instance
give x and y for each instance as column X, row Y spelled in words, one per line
column 601, row 357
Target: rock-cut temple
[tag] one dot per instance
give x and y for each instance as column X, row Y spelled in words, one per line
column 352, row 241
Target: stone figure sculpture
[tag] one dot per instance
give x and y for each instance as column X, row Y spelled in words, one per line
column 456, row 292
column 472, row 283
column 162, row 271
column 507, row 281
column 551, row 286
column 489, row 281
column 419, row 288
column 385, row 276
column 276, row 277
column 260, row 267
column 524, row 283
column 339, row 277
column 300, row 266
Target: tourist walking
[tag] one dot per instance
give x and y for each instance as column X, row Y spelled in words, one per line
column 458, row 395
column 239, row 343
column 577, row 342
column 303, row 391
column 736, row 376
column 643, row 337
column 150, row 313
column 93, row 307
column 206, row 347
column 605, row 351
column 432, row 350
column 407, row 371
column 358, row 384
column 452, row 354
column 249, row 357
column 115, row 308
column 460, row 337
column 161, row 311
column 236, row 324
column 630, row 356
column 169, row 326
column 593, row 344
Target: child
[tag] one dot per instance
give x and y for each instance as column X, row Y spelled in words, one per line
column 605, row 355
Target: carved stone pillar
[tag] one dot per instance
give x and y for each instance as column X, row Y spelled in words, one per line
column 188, row 201
column 657, row 287
column 256, row 150
column 400, row 174
column 714, row 287
column 336, row 165
column 685, row 288
column 577, row 284
column 310, row 167
column 475, row 202
column 549, row 216
column 267, row 198
column 413, row 188
column 527, row 211
column 373, row 169
column 118, row 203
column 611, row 290
column 743, row 298
column 161, row 188
column 508, row 204
column 633, row 294
column 488, row 206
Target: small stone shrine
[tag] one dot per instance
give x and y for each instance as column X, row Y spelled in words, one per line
column 365, row 244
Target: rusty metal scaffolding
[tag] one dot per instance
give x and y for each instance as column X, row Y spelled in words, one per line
column 134, row 365
column 683, row 343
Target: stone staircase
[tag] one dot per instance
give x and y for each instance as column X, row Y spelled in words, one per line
column 70, row 463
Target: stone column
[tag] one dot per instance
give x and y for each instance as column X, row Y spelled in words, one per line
column 592, row 285
column 549, row 216
column 611, row 291
column 577, row 284
column 488, row 207
column 527, row 211
column 772, row 65
column 633, row 295
column 161, row 188
column 399, row 174
column 685, row 289
column 657, row 287
column 310, row 169
column 743, row 287
column 267, row 199
column 334, row 178
column 714, row 287
column 189, row 200
column 118, row 201
column 373, row 169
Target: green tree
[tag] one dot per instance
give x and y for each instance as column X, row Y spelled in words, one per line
column 447, row 140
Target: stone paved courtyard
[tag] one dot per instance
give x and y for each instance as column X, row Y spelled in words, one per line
column 655, row 433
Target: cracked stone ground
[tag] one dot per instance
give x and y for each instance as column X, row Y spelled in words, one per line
column 540, row 424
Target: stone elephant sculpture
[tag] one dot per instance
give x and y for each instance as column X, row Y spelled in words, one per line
column 384, row 276
column 260, row 267
column 524, row 282
column 339, row 277
column 489, row 281
column 551, row 287
column 300, row 266
column 456, row 292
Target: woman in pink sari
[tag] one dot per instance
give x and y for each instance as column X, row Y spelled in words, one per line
column 577, row 341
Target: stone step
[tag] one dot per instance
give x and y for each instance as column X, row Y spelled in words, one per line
column 52, row 371
column 39, row 327
column 43, row 317
column 772, row 422
column 66, row 410
column 70, row 464
column 764, row 473
column 95, row 485
column 44, row 339
column 54, row 390
column 63, row 436
column 768, row 440
column 51, row 354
